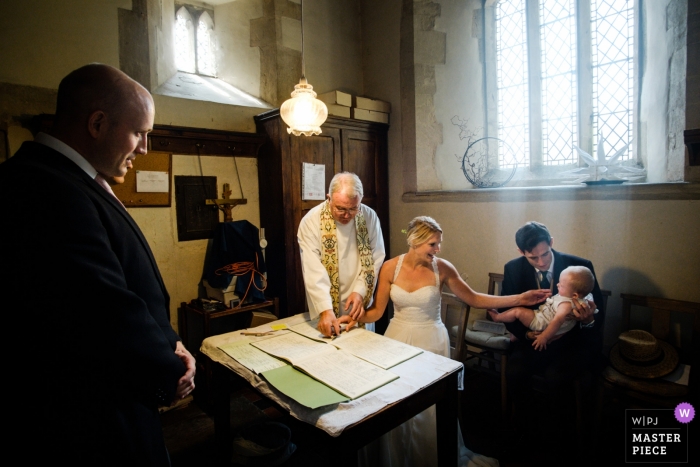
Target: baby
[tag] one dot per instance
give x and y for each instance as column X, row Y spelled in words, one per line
column 554, row 317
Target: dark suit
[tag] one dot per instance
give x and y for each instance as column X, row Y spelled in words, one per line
column 81, row 287
column 519, row 277
column 564, row 358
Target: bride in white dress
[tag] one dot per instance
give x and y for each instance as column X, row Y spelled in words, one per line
column 414, row 282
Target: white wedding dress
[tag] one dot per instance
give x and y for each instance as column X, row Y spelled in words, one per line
column 417, row 322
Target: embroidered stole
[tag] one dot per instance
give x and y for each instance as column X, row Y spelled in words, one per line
column 329, row 254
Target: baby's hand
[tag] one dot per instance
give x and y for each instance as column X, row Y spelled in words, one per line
column 540, row 344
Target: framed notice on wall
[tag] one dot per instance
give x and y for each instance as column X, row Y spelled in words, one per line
column 148, row 183
column 313, row 181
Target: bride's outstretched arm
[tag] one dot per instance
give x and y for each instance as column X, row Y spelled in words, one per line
column 381, row 298
column 480, row 300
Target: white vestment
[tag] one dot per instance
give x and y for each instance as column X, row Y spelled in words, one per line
column 351, row 279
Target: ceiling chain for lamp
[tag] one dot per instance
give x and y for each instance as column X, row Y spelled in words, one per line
column 303, row 112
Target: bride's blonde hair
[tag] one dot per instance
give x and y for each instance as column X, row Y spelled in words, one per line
column 420, row 229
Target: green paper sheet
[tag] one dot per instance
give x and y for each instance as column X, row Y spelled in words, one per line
column 302, row 388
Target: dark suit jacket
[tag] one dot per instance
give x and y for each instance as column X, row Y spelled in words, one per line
column 519, row 277
column 81, row 289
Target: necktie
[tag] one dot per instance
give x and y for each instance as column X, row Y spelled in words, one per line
column 544, row 282
column 103, row 183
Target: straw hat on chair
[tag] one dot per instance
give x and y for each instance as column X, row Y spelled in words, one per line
column 639, row 354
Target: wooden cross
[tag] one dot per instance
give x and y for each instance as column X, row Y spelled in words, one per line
column 226, row 204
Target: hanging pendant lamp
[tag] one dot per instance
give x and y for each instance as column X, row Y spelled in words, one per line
column 303, row 113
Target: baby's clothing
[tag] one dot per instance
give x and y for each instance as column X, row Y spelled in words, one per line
column 548, row 309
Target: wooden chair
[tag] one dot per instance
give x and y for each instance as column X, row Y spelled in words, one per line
column 666, row 322
column 655, row 393
column 455, row 314
column 490, row 348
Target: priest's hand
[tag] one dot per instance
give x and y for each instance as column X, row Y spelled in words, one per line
column 328, row 324
column 354, row 306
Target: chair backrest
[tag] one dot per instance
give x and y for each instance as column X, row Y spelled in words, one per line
column 495, row 283
column 664, row 313
column 455, row 315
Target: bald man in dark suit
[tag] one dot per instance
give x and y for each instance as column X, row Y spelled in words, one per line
column 81, row 287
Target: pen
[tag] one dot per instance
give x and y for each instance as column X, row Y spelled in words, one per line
column 255, row 333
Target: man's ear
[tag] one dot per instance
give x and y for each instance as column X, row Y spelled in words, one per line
column 551, row 242
column 96, row 123
column 520, row 251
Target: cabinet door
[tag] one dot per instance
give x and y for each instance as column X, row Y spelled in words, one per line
column 361, row 156
column 321, row 149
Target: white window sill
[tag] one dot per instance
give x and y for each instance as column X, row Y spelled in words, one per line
column 625, row 191
column 205, row 88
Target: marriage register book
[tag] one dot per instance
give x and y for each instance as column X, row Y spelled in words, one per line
column 334, row 367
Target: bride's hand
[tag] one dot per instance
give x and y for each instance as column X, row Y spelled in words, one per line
column 350, row 323
column 533, row 297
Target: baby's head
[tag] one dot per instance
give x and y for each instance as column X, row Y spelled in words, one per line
column 575, row 282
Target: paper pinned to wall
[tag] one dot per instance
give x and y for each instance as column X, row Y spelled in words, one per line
column 313, row 181
column 149, row 181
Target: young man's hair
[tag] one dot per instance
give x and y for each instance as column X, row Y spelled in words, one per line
column 530, row 235
column 582, row 280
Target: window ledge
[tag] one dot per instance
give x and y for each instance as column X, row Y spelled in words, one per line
column 638, row 191
column 205, row 88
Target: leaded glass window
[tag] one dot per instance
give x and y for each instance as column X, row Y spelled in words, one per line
column 512, row 76
column 184, row 41
column 195, row 41
column 205, row 45
column 550, row 98
column 612, row 31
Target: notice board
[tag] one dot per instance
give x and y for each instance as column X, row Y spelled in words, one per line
column 153, row 161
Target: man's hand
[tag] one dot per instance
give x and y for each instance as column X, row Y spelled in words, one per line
column 186, row 383
column 584, row 312
column 353, row 306
column 328, row 324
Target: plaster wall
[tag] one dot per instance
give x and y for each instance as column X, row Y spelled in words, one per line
column 181, row 263
column 332, row 46
column 661, row 68
column 239, row 62
column 41, row 43
column 164, row 43
column 644, row 247
column 458, row 90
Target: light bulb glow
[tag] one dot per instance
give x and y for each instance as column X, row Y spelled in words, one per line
column 303, row 113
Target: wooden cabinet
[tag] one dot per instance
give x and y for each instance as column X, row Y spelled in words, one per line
column 344, row 145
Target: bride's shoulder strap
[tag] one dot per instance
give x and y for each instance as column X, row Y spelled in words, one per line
column 398, row 267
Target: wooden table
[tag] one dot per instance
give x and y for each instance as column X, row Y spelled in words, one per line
column 196, row 324
column 441, row 391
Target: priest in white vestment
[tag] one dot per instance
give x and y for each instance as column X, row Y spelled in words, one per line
column 342, row 250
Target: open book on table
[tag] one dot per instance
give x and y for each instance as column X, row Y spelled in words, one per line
column 369, row 346
column 334, row 367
